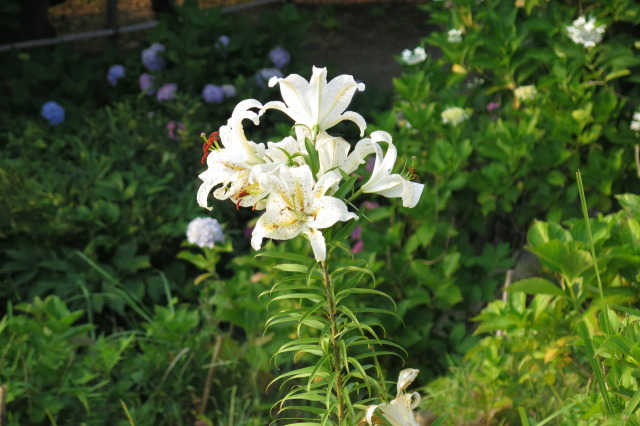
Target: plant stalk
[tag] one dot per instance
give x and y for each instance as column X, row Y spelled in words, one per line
column 207, row 384
column 335, row 345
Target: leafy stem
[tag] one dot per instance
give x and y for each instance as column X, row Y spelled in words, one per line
column 336, row 363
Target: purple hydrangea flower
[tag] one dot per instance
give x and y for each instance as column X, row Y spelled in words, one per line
column 204, row 232
column 53, row 112
column 146, row 84
column 173, row 127
column 263, row 75
column 492, row 105
column 223, row 40
column 151, row 57
column 229, row 90
column 212, row 94
column 279, row 56
column 167, row 92
column 116, row 72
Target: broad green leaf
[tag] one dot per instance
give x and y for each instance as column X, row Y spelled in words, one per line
column 615, row 346
column 536, row 286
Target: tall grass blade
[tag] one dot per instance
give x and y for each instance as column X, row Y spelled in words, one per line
column 595, row 366
column 588, row 224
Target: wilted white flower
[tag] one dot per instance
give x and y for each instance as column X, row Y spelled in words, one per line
column 454, row 36
column 585, row 32
column 525, row 93
column 416, row 56
column 399, row 412
column 204, row 232
column 635, row 123
column 454, row 116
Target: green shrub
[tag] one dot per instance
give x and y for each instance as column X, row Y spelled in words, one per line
column 538, row 107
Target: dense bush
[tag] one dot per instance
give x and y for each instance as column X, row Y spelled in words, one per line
column 495, row 120
column 534, row 354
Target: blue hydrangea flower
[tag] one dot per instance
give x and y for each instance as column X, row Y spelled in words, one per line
column 146, row 82
column 229, row 90
column 167, row 92
column 204, row 232
column 223, row 40
column 151, row 57
column 212, row 94
column 264, row 75
column 53, row 112
column 279, row 56
column 116, row 72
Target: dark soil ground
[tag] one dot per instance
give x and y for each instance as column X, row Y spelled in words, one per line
column 361, row 39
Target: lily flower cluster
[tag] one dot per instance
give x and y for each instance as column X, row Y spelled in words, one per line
column 295, row 180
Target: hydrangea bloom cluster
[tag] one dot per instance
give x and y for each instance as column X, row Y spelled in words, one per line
column 146, row 82
column 115, row 73
column 525, row 93
column 265, row 74
column 454, row 116
column 635, row 123
column 174, row 128
column 151, row 57
column 229, row 90
column 454, row 36
column 585, row 32
column 415, row 56
column 294, row 179
column 279, row 56
column 204, row 232
column 53, row 112
column 223, row 41
column 212, row 94
column 167, row 92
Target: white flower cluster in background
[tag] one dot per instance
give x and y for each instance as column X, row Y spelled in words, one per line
column 635, row 123
column 585, row 32
column 294, row 179
column 415, row 56
column 525, row 93
column 454, row 36
column 454, row 116
column 204, row 232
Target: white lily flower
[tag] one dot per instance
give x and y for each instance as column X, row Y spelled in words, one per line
column 383, row 182
column 399, row 412
column 232, row 135
column 316, row 104
column 231, row 166
column 297, row 206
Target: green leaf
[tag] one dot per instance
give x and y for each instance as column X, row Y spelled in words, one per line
column 346, row 187
column 292, row 267
column 536, row 286
column 345, row 293
column 615, row 346
column 314, row 161
column 284, row 255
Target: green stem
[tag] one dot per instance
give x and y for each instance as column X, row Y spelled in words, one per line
column 588, row 223
column 354, row 196
column 336, row 363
